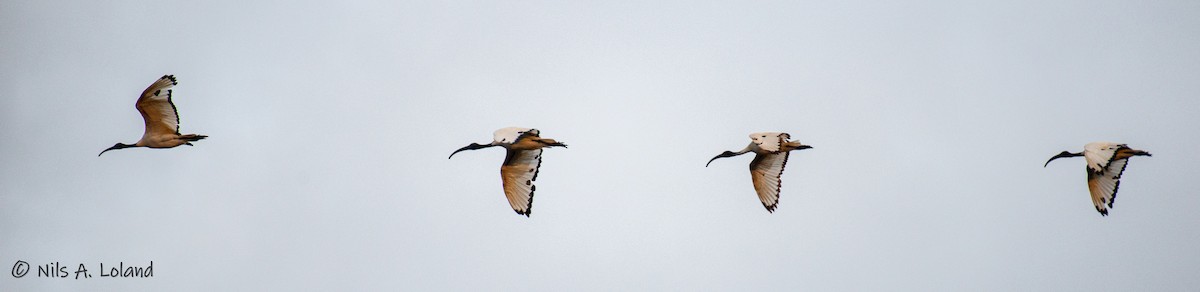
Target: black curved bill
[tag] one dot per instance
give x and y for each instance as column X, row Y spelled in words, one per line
column 473, row 146
column 118, row 146
column 1061, row 155
column 722, row 155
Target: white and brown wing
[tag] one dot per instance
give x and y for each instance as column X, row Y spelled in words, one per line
column 765, row 172
column 519, row 171
column 1104, row 183
column 158, row 111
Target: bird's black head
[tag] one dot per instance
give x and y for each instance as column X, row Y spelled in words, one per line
column 1061, row 155
column 118, row 146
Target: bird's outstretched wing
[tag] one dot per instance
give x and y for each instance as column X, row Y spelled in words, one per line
column 519, row 171
column 1103, row 183
column 765, row 172
column 158, row 111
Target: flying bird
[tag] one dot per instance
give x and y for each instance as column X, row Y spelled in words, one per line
column 520, row 167
column 771, row 154
column 1105, row 163
column 161, row 117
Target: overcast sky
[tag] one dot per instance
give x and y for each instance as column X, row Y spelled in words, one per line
column 330, row 124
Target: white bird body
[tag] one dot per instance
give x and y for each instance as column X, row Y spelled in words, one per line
column 768, row 142
column 1098, row 154
column 521, row 164
column 771, row 154
column 510, row 134
column 161, row 118
column 1106, row 162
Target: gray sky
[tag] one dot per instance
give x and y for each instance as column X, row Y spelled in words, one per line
column 330, row 125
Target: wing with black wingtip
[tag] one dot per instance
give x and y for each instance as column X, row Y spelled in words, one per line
column 519, row 171
column 157, row 109
column 765, row 172
column 1104, row 183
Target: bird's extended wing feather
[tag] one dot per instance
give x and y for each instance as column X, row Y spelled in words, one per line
column 1104, row 184
column 157, row 109
column 519, row 171
column 765, row 172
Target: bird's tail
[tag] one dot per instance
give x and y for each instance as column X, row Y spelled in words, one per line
column 1127, row 152
column 795, row 145
column 191, row 137
column 551, row 143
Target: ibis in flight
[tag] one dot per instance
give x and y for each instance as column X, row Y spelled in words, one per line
column 1105, row 163
column 520, row 167
column 771, row 155
column 161, row 117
